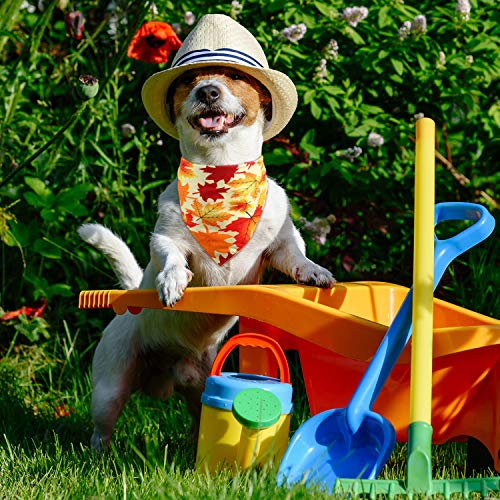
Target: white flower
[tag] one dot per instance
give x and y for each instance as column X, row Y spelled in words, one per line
column 153, row 8
column 116, row 18
column 418, row 116
column 419, row 24
column 404, row 30
column 375, row 140
column 441, row 60
column 177, row 28
column 463, row 9
column 331, row 51
column 236, row 8
column 189, row 18
column 27, row 6
column 350, row 153
column 128, row 130
column 353, row 15
column 321, row 70
column 318, row 228
column 469, row 59
column 295, row 32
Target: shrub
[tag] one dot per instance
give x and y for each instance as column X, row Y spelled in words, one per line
column 363, row 75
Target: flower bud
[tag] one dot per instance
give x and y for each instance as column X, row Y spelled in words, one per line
column 88, row 86
column 74, row 24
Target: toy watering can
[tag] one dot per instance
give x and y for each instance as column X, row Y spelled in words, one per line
column 245, row 418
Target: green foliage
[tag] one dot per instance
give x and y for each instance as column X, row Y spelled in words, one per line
column 65, row 162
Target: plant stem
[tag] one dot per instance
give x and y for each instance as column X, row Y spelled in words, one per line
column 67, row 126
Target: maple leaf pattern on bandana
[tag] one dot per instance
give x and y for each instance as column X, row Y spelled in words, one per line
column 222, row 205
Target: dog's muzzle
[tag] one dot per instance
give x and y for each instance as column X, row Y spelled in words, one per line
column 212, row 119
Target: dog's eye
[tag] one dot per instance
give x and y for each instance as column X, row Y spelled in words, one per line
column 187, row 79
column 237, row 76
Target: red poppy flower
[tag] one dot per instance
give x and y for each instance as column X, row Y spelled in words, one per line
column 36, row 310
column 153, row 42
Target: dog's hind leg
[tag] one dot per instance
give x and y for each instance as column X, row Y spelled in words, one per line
column 115, row 370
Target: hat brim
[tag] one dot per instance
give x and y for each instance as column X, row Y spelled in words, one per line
column 281, row 88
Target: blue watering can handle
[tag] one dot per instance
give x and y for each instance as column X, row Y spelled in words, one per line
column 399, row 332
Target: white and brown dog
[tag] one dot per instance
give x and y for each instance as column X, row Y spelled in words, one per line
column 221, row 111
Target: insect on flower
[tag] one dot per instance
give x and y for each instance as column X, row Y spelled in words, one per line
column 153, row 42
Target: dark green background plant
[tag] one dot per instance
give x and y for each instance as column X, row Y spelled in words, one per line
column 65, row 162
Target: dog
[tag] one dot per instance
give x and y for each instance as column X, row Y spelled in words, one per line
column 221, row 115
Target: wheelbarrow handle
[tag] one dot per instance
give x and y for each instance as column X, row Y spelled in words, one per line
column 399, row 331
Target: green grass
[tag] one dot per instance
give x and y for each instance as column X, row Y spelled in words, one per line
column 152, row 455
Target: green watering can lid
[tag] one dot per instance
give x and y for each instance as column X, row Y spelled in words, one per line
column 256, row 408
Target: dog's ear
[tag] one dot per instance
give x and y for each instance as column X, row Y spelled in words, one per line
column 266, row 102
column 169, row 102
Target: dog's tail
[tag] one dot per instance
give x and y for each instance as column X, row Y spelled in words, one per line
column 123, row 262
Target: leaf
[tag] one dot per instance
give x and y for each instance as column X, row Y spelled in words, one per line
column 46, row 249
column 398, row 66
column 33, row 200
column 38, row 186
column 423, row 63
column 214, row 242
column 245, row 227
column 209, row 214
column 48, row 215
column 212, row 192
column 333, row 90
column 354, row 35
column 246, row 186
column 183, row 190
column 225, row 173
column 60, row 289
column 315, row 110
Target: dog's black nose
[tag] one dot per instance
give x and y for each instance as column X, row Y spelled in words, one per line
column 208, row 93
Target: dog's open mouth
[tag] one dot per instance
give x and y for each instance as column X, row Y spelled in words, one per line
column 215, row 123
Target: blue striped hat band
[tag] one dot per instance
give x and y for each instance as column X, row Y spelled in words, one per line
column 219, row 55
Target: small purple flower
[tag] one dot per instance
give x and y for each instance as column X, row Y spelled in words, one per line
column 318, row 228
column 353, row 15
column 404, row 30
column 375, row 140
column 441, row 63
column 331, row 51
column 321, row 71
column 463, row 9
column 128, row 130
column 295, row 32
column 350, row 153
column 236, row 8
column 419, row 25
column 189, row 18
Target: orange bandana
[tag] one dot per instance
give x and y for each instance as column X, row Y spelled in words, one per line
column 222, row 205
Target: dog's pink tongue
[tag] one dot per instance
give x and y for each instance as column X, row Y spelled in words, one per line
column 212, row 121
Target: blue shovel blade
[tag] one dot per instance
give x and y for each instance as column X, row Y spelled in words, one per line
column 324, row 449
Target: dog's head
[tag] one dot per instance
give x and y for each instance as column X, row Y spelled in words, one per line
column 213, row 103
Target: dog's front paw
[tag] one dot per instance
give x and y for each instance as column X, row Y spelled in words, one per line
column 171, row 283
column 312, row 274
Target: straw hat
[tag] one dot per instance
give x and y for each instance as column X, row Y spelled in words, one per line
column 218, row 40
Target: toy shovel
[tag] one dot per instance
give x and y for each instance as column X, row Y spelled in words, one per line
column 356, row 442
